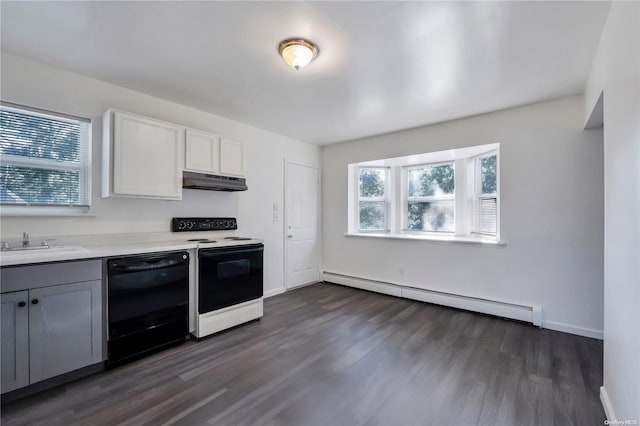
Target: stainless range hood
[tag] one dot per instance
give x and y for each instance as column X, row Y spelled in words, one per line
column 207, row 182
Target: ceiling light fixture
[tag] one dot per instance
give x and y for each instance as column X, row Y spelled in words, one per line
column 297, row 52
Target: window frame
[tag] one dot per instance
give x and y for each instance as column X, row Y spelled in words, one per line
column 83, row 167
column 405, row 198
column 478, row 195
column 386, row 198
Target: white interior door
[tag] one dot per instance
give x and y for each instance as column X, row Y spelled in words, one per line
column 302, row 224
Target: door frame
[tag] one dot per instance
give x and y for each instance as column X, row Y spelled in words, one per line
column 285, row 218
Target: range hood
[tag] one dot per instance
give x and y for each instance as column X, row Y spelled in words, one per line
column 207, row 182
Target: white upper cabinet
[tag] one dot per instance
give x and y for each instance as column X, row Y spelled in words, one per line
column 232, row 158
column 202, row 152
column 142, row 157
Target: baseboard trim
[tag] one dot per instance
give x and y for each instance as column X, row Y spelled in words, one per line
column 522, row 312
column 606, row 404
column 573, row 329
column 528, row 313
column 274, row 292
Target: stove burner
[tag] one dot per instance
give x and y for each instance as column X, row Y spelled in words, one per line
column 202, row 240
column 237, row 238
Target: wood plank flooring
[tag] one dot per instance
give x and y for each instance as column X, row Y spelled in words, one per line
column 332, row 355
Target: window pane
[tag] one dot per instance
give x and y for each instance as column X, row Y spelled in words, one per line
column 28, row 185
column 431, row 181
column 431, row 216
column 44, row 158
column 372, row 215
column 489, row 176
column 28, row 135
column 372, row 182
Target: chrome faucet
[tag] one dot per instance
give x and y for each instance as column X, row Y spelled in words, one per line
column 25, row 239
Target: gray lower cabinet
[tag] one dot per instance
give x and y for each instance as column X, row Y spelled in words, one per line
column 49, row 330
column 15, row 340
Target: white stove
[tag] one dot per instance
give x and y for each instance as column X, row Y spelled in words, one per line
column 228, row 274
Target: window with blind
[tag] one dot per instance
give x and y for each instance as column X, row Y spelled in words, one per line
column 450, row 195
column 486, row 196
column 44, row 159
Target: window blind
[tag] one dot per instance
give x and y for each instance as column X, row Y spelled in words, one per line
column 487, row 215
column 44, row 158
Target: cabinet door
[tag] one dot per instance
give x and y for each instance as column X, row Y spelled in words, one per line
column 231, row 158
column 15, row 340
column 148, row 157
column 65, row 331
column 202, row 153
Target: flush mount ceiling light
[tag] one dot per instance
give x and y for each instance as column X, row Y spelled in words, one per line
column 297, row 52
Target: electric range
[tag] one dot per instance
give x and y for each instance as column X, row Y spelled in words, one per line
column 229, row 274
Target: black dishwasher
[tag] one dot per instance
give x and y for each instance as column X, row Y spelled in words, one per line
column 148, row 304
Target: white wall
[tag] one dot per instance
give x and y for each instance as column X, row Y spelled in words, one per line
column 616, row 75
column 552, row 215
column 32, row 83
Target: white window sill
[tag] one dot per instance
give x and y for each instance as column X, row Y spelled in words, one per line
column 22, row 211
column 430, row 238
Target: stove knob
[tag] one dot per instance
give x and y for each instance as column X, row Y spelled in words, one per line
column 189, row 225
column 181, row 225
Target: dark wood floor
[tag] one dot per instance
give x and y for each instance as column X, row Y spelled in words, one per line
column 331, row 355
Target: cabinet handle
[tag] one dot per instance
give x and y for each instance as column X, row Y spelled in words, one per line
column 35, row 301
column 21, row 304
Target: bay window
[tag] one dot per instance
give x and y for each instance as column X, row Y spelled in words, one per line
column 450, row 195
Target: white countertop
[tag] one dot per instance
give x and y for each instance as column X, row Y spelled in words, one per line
column 98, row 246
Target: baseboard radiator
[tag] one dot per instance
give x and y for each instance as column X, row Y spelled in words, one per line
column 528, row 313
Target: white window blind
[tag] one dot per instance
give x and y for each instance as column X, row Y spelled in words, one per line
column 44, row 158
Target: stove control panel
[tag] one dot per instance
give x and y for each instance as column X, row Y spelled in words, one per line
column 185, row 224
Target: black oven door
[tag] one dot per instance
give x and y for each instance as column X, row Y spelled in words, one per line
column 228, row 276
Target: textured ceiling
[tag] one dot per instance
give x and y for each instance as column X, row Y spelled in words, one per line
column 383, row 66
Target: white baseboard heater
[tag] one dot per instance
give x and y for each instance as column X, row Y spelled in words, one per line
column 528, row 313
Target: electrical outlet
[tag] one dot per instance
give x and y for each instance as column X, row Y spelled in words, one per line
column 403, row 271
column 275, row 216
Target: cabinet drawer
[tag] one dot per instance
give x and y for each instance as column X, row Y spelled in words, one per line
column 16, row 278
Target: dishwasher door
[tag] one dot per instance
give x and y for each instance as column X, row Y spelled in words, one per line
column 147, row 303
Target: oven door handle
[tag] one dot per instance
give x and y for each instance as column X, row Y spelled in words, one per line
column 148, row 264
column 222, row 252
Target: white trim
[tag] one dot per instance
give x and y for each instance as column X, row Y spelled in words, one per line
column 274, row 292
column 573, row 329
column 606, row 404
column 445, row 238
column 518, row 311
column 362, row 283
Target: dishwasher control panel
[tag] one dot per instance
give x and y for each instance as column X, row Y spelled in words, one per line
column 185, row 224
